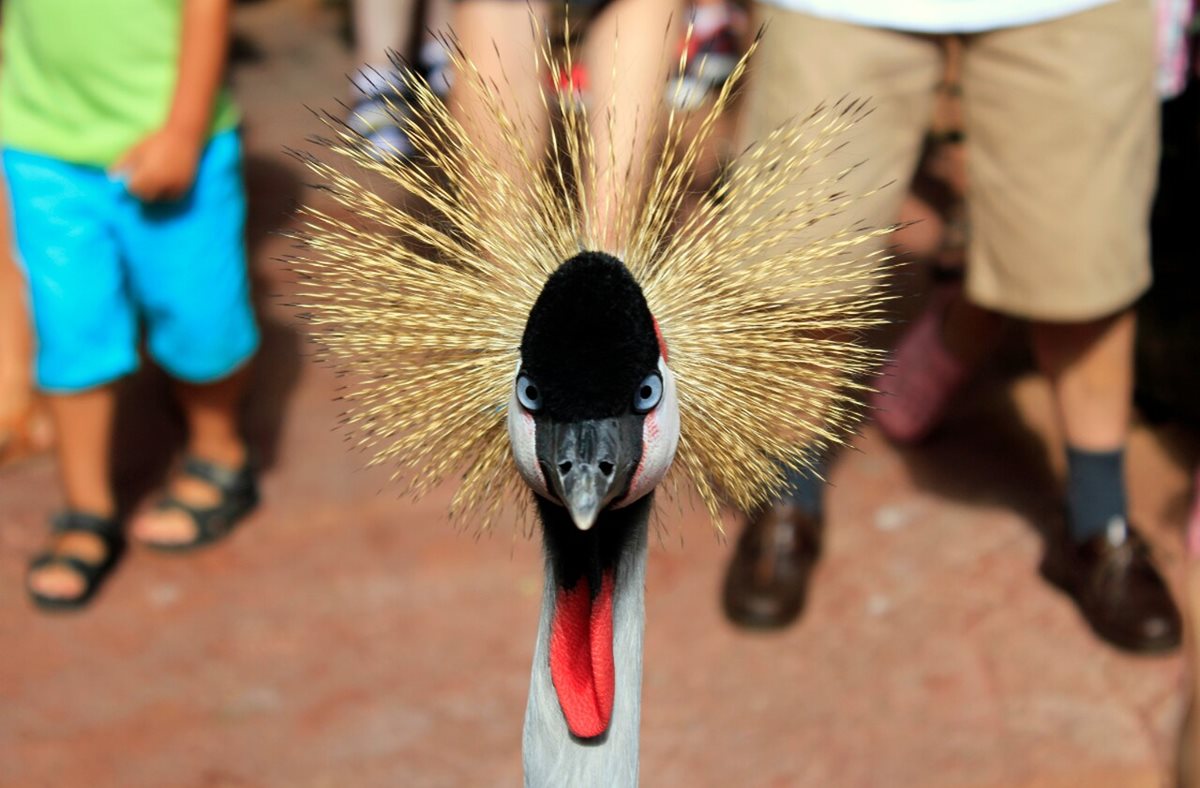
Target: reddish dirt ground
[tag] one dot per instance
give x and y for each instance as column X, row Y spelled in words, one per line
column 343, row 637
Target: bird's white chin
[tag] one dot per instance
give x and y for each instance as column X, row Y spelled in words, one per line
column 584, row 520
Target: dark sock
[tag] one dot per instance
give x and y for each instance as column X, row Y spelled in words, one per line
column 1095, row 491
column 805, row 489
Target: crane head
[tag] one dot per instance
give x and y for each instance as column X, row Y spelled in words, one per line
column 593, row 416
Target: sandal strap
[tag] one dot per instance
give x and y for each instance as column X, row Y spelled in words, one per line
column 211, row 523
column 227, row 480
column 75, row 521
column 88, row 571
column 92, row 573
column 239, row 495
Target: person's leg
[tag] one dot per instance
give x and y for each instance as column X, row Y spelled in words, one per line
column 187, row 266
column 24, row 427
column 1103, row 562
column 381, row 28
column 211, row 411
column 16, row 344
column 439, row 15
column 718, row 39
column 500, row 39
column 84, row 423
column 502, row 42
column 628, row 61
column 803, row 62
column 1090, row 370
column 1062, row 152
column 212, row 414
column 432, row 57
column 86, row 339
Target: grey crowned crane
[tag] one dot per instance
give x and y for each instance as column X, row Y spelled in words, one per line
column 594, row 423
column 550, row 360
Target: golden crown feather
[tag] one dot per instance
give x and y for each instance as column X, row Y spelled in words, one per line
column 761, row 293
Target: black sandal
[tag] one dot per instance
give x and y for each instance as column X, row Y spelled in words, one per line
column 239, row 496
column 93, row 574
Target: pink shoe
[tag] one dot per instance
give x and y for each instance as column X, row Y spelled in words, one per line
column 920, row 378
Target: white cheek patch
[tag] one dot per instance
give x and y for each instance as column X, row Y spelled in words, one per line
column 660, row 438
column 522, row 435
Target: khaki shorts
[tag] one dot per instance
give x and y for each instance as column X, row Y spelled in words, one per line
column 1061, row 122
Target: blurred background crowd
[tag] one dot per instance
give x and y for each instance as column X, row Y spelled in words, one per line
column 1038, row 414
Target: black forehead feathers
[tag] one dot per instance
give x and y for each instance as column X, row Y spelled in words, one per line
column 590, row 339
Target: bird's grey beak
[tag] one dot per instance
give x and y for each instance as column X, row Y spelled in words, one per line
column 589, row 464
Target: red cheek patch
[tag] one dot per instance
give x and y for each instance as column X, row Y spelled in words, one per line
column 662, row 343
column 581, row 656
column 650, row 435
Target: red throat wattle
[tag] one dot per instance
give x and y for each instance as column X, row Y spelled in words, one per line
column 581, row 656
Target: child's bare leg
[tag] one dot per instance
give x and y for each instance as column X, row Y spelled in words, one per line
column 84, row 424
column 381, row 26
column 16, row 385
column 23, row 427
column 497, row 36
column 211, row 411
column 628, row 60
column 439, row 14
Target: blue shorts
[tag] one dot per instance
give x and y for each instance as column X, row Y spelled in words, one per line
column 99, row 262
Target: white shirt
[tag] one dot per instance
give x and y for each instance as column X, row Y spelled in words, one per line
column 939, row 16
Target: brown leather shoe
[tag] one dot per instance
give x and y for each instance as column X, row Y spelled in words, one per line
column 1117, row 589
column 767, row 580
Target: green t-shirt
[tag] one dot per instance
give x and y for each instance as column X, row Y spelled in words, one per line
column 85, row 80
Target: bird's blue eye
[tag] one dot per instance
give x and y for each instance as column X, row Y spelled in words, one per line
column 528, row 394
column 648, row 394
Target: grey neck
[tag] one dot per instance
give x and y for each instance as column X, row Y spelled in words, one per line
column 552, row 757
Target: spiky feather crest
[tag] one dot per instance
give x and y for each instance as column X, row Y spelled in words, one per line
column 761, row 292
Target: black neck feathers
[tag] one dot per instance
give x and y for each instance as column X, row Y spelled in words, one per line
column 576, row 554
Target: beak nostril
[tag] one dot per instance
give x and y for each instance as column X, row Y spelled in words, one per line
column 564, row 468
column 606, row 468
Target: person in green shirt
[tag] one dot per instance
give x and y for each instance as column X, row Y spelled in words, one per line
column 122, row 163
